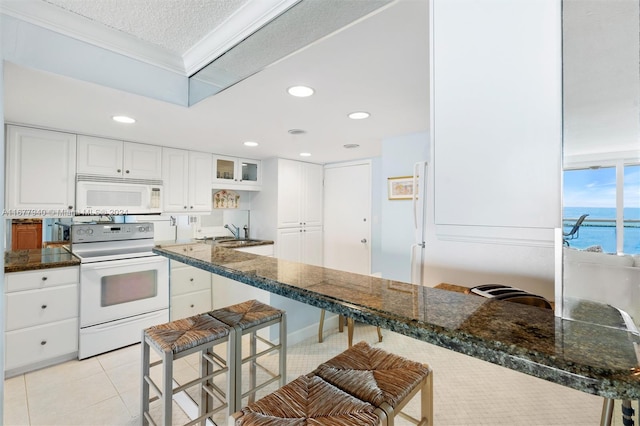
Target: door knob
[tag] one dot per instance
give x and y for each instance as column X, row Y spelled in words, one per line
column 363, row 241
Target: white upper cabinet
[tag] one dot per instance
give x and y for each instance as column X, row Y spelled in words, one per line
column 300, row 190
column 187, row 180
column 238, row 173
column 40, row 172
column 108, row 157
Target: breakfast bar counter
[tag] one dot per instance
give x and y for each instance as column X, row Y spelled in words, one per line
column 595, row 359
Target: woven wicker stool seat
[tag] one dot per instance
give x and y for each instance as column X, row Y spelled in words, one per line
column 180, row 338
column 308, row 401
column 386, row 380
column 248, row 318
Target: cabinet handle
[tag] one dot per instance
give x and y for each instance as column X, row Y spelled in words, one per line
column 191, row 207
column 363, row 241
column 185, row 207
column 119, row 171
column 44, row 342
column 191, row 279
column 70, row 207
column 44, row 306
column 44, row 278
column 192, row 305
column 127, row 171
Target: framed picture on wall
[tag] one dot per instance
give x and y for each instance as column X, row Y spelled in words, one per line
column 400, row 188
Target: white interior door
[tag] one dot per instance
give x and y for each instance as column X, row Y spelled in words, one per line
column 347, row 217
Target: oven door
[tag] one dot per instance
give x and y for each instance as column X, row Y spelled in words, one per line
column 119, row 289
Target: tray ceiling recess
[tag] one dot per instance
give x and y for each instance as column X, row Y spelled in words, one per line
column 300, row 25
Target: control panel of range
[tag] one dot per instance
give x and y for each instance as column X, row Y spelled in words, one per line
column 95, row 232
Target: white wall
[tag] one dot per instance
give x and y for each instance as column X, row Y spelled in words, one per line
column 399, row 155
column 496, row 109
column 601, row 52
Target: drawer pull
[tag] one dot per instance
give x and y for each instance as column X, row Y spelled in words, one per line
column 44, row 306
column 191, row 279
column 44, row 278
column 44, row 342
column 192, row 305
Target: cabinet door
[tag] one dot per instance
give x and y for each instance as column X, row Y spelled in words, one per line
column 190, row 304
column 249, row 171
column 312, row 246
column 142, row 161
column 35, row 344
column 40, row 172
column 289, row 188
column 224, row 169
column 312, row 194
column 99, row 156
column 289, row 243
column 26, row 236
column 187, row 279
column 200, row 182
column 175, row 177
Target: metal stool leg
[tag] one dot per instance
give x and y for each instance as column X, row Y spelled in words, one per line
column 167, row 387
column 607, row 412
column 252, row 365
column 145, row 385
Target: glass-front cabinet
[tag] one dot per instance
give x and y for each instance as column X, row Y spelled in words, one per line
column 233, row 172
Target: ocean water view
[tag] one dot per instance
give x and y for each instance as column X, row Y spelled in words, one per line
column 599, row 228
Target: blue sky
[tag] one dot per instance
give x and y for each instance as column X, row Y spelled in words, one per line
column 597, row 187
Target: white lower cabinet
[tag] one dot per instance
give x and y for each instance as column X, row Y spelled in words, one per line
column 302, row 245
column 190, row 291
column 41, row 318
column 35, row 345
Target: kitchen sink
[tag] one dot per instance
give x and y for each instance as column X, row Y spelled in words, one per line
column 237, row 243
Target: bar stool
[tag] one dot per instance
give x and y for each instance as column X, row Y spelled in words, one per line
column 247, row 318
column 386, row 380
column 304, row 399
column 178, row 339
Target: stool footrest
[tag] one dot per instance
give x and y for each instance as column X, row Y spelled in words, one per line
column 262, row 353
column 260, row 386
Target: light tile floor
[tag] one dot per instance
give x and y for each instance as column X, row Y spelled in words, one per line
column 105, row 390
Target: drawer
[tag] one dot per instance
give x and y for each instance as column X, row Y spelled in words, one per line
column 189, row 279
column 36, row 344
column 35, row 307
column 190, row 304
column 263, row 250
column 42, row 278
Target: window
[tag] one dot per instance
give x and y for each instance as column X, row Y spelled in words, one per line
column 611, row 198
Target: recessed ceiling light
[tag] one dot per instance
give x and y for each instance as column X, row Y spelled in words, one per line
column 351, row 145
column 359, row 115
column 300, row 91
column 296, row 131
column 305, row 154
column 123, row 119
column 250, row 143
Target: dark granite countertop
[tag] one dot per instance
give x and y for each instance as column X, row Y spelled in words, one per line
column 32, row 259
column 596, row 359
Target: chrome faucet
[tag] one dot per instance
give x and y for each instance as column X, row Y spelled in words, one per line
column 246, row 232
column 234, row 230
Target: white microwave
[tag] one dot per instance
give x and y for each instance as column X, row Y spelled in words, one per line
column 98, row 195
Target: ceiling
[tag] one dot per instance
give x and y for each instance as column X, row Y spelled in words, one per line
column 378, row 64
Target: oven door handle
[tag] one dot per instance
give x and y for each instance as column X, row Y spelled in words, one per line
column 151, row 260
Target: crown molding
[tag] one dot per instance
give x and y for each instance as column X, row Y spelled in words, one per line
column 245, row 21
column 53, row 18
